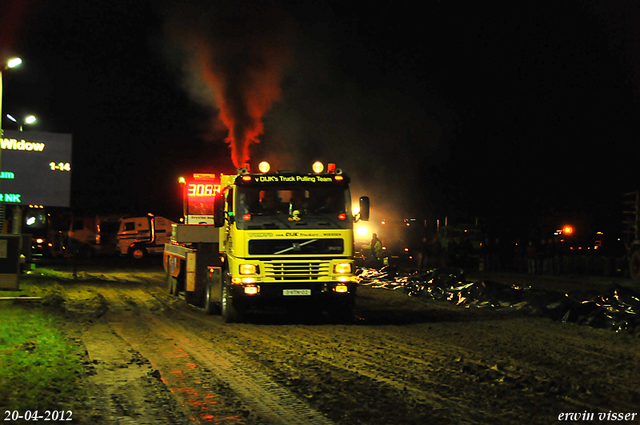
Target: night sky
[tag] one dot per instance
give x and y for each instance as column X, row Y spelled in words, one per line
column 523, row 114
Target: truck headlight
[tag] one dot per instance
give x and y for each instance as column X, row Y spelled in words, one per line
column 342, row 268
column 246, row 269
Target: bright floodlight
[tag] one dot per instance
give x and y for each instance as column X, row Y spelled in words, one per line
column 13, row 62
column 264, row 167
column 362, row 231
column 30, row 119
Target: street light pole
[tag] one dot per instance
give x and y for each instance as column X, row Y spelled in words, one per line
column 11, row 63
column 29, row 119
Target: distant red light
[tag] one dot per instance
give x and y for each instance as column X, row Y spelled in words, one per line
column 342, row 216
column 567, row 230
column 339, row 178
column 246, row 217
column 246, row 178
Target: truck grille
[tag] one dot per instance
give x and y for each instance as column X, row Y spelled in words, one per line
column 288, row 271
column 296, row 246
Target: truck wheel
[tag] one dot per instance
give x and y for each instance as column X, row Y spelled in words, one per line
column 210, row 306
column 138, row 252
column 229, row 312
column 634, row 265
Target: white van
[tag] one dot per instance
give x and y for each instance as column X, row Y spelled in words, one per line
column 141, row 236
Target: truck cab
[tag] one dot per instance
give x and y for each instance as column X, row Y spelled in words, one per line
column 287, row 238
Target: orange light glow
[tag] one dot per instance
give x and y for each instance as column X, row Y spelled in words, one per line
column 318, row 167
column 339, row 178
column 251, row 290
column 342, row 268
column 248, row 269
column 567, row 230
column 341, row 288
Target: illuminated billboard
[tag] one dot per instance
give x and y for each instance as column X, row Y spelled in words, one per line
column 35, row 168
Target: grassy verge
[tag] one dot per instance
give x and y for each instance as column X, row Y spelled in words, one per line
column 40, row 368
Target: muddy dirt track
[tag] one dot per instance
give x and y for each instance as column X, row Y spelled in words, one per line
column 151, row 359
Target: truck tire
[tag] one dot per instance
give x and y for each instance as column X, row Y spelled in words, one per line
column 228, row 310
column 138, row 252
column 210, row 306
column 634, row 265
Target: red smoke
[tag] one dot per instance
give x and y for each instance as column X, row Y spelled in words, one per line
column 233, row 57
column 243, row 104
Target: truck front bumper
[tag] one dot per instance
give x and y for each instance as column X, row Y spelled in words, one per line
column 294, row 293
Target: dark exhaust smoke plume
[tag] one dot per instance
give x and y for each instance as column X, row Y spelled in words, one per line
column 232, row 56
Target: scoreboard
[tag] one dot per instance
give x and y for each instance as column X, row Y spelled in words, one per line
column 199, row 196
column 35, row 168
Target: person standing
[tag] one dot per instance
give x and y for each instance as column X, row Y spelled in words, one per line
column 375, row 247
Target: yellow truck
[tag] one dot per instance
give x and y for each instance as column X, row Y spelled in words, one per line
column 277, row 239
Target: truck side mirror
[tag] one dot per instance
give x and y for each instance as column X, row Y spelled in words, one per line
column 218, row 210
column 364, row 208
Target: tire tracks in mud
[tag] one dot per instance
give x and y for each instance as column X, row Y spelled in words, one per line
column 352, row 355
column 209, row 384
column 125, row 391
column 343, row 355
column 472, row 368
column 424, row 373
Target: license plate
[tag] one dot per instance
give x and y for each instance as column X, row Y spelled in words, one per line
column 296, row 292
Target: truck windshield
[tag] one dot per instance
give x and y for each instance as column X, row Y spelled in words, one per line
column 293, row 205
